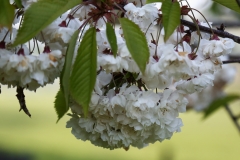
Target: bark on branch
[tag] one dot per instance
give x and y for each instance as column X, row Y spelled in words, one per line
column 220, row 33
column 234, row 118
column 231, row 61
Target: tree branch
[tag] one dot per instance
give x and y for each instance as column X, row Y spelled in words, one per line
column 192, row 27
column 220, row 33
column 234, row 119
column 231, row 61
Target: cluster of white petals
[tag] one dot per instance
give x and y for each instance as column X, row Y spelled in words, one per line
column 127, row 108
column 143, row 16
column 123, row 60
column 201, row 100
column 30, row 71
column 130, row 117
column 20, row 67
column 58, row 31
column 216, row 48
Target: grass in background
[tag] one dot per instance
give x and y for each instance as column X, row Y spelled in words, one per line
column 40, row 136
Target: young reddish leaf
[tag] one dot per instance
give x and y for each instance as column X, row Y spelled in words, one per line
column 111, row 36
column 136, row 43
column 171, row 17
column 83, row 75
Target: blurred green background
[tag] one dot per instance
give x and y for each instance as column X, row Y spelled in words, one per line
column 41, row 138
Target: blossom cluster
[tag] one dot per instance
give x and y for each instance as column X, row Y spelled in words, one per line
column 28, row 70
column 129, row 115
column 127, row 108
column 19, row 67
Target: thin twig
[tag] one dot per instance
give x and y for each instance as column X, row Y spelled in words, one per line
column 193, row 27
column 227, row 24
column 210, row 30
column 231, row 61
column 234, row 119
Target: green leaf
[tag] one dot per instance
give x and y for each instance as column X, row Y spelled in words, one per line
column 112, row 39
column 154, row 1
column 39, row 15
column 84, row 72
column 18, row 3
column 6, row 14
column 65, row 74
column 218, row 103
column 171, row 17
column 60, row 105
column 136, row 43
column 231, row 4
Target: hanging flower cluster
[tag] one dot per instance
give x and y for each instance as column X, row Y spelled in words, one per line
column 20, row 67
column 127, row 107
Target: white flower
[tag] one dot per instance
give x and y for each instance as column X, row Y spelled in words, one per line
column 48, row 60
column 129, row 117
column 144, row 16
column 128, row 64
column 160, row 81
column 29, row 71
column 195, row 84
column 103, row 79
column 109, row 63
column 63, row 33
column 176, row 36
column 195, row 35
column 60, row 30
column 199, row 101
column 82, row 12
column 176, row 63
column 216, row 48
column 210, row 65
column 39, row 76
column 4, row 57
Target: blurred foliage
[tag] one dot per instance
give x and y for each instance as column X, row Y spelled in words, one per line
column 231, row 4
column 218, row 9
column 220, row 102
